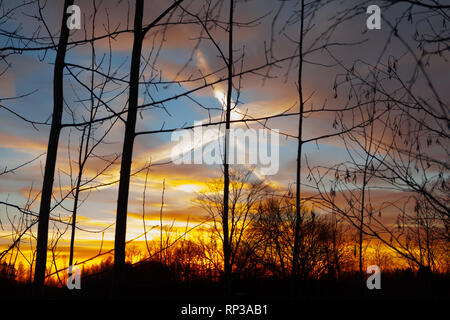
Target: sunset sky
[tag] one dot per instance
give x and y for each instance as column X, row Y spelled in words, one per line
column 30, row 75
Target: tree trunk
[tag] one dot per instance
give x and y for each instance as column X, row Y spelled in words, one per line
column 74, row 219
column 361, row 226
column 298, row 219
column 52, row 151
column 130, row 133
column 226, row 189
column 127, row 152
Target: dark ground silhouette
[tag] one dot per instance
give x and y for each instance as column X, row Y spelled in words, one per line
column 151, row 280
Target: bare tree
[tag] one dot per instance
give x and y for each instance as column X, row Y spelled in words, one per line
column 246, row 192
column 407, row 141
column 125, row 169
column 227, row 251
column 52, row 150
column 300, row 144
column 88, row 141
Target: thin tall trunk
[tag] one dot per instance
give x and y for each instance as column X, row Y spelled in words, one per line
column 361, row 227
column 75, row 208
column 127, row 152
column 368, row 146
column 52, row 152
column 143, row 213
column 161, row 244
column 82, row 162
column 430, row 263
column 298, row 218
column 84, row 144
column 130, row 133
column 226, row 188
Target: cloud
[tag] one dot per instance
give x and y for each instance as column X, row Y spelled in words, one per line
column 22, row 144
column 193, row 214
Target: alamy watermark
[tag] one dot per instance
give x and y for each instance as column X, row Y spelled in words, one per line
column 201, row 145
column 374, row 20
column 74, row 279
column 374, row 281
column 74, row 21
